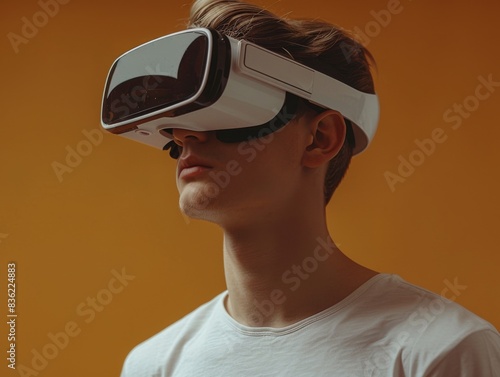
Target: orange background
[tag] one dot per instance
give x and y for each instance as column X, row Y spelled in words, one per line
column 118, row 207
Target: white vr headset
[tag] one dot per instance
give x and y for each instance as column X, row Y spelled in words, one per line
column 201, row 80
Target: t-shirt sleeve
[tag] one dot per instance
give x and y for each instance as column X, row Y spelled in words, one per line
column 477, row 355
column 125, row 368
column 140, row 362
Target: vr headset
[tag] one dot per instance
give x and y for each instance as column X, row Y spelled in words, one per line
column 201, row 80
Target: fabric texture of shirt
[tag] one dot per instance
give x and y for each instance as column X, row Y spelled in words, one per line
column 387, row 327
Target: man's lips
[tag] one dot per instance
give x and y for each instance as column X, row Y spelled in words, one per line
column 191, row 166
column 192, row 171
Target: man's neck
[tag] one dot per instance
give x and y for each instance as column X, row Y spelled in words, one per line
column 279, row 272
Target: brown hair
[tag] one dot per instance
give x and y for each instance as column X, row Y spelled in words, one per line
column 317, row 44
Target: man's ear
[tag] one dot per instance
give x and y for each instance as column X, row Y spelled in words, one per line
column 328, row 131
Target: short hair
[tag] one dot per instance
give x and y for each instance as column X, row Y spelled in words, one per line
column 315, row 43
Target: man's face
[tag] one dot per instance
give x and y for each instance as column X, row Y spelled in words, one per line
column 217, row 181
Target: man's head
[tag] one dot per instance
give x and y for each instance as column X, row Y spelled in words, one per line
column 237, row 74
column 319, row 45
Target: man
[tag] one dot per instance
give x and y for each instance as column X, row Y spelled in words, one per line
column 295, row 304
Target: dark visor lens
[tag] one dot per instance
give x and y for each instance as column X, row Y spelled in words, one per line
column 155, row 76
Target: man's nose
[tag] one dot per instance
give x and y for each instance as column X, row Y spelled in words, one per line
column 182, row 136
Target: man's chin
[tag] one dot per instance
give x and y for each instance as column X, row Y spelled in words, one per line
column 194, row 203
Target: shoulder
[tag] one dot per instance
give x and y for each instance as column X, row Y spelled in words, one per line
column 423, row 333
column 422, row 312
column 419, row 306
column 433, row 313
column 150, row 354
column 476, row 354
column 441, row 337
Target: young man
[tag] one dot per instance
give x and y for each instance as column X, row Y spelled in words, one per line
column 295, row 305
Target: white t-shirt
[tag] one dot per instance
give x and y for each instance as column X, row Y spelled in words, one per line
column 387, row 327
